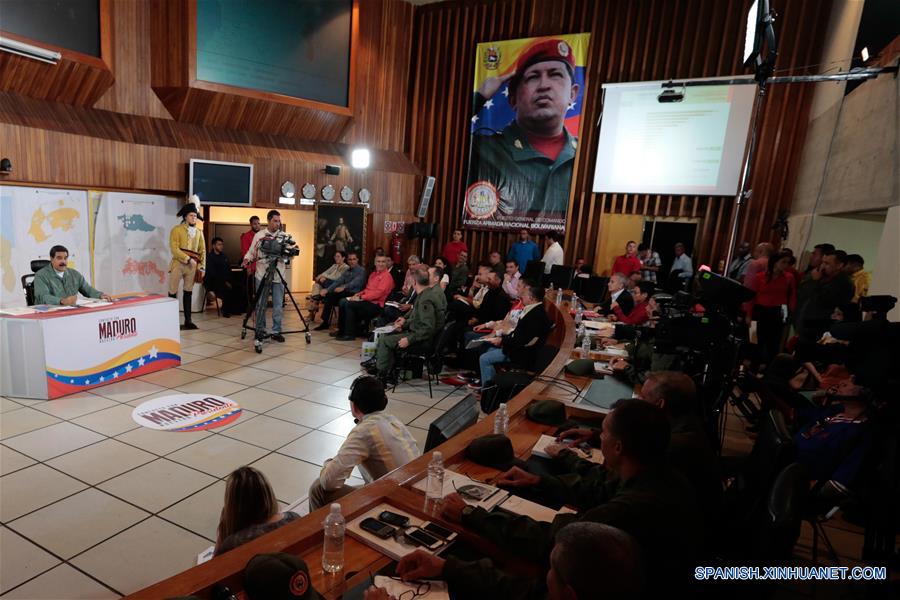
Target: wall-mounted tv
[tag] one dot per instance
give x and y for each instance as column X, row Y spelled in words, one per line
column 221, row 183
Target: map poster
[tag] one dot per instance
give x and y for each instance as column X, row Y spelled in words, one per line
column 131, row 241
column 32, row 220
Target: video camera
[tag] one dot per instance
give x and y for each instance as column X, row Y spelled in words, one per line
column 279, row 245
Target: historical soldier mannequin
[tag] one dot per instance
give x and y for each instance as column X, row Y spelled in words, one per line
column 188, row 255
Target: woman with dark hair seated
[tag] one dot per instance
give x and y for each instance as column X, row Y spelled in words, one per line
column 250, row 510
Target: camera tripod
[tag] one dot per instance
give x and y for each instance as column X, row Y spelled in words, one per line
column 262, row 294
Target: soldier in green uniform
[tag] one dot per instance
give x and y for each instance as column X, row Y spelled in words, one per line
column 57, row 284
column 527, row 167
column 425, row 319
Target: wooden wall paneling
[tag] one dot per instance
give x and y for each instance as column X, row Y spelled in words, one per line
column 631, row 41
column 77, row 78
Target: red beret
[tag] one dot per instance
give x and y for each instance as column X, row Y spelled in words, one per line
column 543, row 50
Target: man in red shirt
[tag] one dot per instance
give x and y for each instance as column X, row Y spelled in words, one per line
column 628, row 263
column 638, row 314
column 367, row 304
column 246, row 242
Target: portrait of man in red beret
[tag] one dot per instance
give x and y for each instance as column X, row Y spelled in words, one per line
column 525, row 168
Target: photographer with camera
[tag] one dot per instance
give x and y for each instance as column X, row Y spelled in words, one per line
column 258, row 253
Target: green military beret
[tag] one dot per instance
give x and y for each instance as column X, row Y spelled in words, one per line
column 547, row 412
column 494, row 450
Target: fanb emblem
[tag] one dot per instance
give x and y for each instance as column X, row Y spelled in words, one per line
column 492, row 58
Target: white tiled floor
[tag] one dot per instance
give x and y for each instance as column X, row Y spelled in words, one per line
column 94, row 506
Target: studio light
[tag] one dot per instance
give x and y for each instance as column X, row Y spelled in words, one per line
column 360, row 158
column 29, row 51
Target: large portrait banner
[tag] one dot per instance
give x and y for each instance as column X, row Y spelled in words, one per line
column 524, row 126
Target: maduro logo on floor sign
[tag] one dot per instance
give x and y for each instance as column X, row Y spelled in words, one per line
column 186, row 412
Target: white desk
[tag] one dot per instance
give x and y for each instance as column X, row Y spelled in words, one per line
column 52, row 354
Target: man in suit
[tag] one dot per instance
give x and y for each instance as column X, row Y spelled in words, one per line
column 519, row 345
column 618, row 295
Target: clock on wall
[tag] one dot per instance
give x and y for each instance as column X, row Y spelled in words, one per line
column 346, row 193
column 308, row 191
column 364, row 195
column 328, row 192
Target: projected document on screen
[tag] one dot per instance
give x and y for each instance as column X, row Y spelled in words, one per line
column 695, row 146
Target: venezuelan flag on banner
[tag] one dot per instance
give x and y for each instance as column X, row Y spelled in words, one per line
column 496, row 59
column 522, row 143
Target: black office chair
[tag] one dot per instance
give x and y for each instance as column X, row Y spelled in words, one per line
column 430, row 358
column 535, row 271
column 28, row 280
column 561, row 276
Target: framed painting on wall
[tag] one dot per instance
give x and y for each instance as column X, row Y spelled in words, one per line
column 338, row 227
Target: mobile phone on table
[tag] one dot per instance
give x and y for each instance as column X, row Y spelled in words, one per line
column 377, row 528
column 441, row 532
column 423, row 538
column 393, row 518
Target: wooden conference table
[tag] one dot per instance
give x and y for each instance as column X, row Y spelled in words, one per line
column 304, row 536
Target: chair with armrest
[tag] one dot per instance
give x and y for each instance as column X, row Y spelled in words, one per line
column 561, row 276
column 535, row 271
column 28, row 280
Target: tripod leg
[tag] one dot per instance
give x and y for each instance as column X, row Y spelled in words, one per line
column 288, row 293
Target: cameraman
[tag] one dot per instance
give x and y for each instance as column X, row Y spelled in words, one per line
column 273, row 228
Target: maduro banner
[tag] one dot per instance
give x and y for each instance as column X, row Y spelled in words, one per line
column 524, row 132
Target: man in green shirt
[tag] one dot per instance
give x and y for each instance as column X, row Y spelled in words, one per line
column 418, row 329
column 57, row 284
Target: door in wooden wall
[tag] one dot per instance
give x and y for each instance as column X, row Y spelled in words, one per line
column 615, row 231
column 662, row 235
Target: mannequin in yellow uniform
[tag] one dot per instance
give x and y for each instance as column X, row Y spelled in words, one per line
column 188, row 255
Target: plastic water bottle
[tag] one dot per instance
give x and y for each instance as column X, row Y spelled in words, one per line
column 501, row 420
column 579, row 314
column 586, row 344
column 333, row 549
column 434, row 489
column 574, row 301
column 559, row 296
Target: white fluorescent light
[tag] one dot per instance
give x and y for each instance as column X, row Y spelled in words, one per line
column 865, row 54
column 29, row 51
column 360, row 158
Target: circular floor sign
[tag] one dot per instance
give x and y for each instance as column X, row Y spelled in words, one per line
column 186, row 412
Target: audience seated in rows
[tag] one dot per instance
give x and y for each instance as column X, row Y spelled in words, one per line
column 366, row 304
column 325, row 279
column 347, row 284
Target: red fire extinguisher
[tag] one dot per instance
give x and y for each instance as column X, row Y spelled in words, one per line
column 395, row 248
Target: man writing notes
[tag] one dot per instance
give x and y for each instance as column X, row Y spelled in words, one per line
column 57, row 284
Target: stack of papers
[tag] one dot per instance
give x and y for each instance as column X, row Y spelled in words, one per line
column 527, row 508
column 91, row 302
column 473, row 492
column 437, row 590
column 18, row 310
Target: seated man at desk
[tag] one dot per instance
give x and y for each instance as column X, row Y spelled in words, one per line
column 638, row 314
column 644, row 497
column 584, row 554
column 379, row 443
column 617, row 295
column 57, row 284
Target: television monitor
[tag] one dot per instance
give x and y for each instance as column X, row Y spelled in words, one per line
column 221, row 183
column 460, row 417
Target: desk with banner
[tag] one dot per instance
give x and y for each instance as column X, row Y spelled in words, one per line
column 50, row 352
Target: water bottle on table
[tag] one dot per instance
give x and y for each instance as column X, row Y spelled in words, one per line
column 434, row 488
column 333, row 548
column 586, row 344
column 559, row 296
column 501, row 420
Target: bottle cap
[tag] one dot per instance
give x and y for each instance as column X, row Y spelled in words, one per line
column 335, row 508
column 436, row 455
